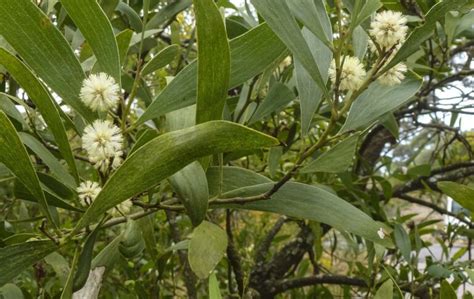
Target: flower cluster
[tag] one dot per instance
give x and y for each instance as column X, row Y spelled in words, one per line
column 100, row 92
column 388, row 29
column 88, row 191
column 103, row 142
column 352, row 73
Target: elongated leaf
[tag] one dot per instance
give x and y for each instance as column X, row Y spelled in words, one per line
column 385, row 291
column 191, row 185
column 97, row 30
column 310, row 93
column 56, row 168
column 214, row 292
column 19, row 257
column 363, row 10
column 206, row 248
column 234, row 178
column 213, row 61
column 85, row 260
column 177, row 149
column 278, row 16
column 277, row 98
column 337, row 159
column 14, row 155
column 173, row 8
column 46, row 105
column 462, row 194
column 190, row 182
column 312, row 203
column 250, row 54
column 378, row 100
column 403, row 241
column 423, row 32
column 133, row 18
column 313, row 15
column 164, row 57
column 447, row 291
column 53, row 199
column 44, row 49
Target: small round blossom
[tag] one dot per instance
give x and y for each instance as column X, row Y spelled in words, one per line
column 87, row 192
column 100, row 92
column 388, row 29
column 352, row 74
column 393, row 76
column 381, row 233
column 122, row 208
column 103, row 142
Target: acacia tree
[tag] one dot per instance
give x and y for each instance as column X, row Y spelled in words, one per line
column 195, row 149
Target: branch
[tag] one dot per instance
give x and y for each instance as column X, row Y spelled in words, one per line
column 288, row 284
column 465, row 169
column 433, row 207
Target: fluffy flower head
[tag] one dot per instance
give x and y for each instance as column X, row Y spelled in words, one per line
column 352, row 74
column 388, row 29
column 103, row 142
column 87, row 192
column 393, row 76
column 100, row 92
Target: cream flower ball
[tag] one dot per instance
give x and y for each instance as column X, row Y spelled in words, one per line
column 87, row 192
column 352, row 74
column 100, row 92
column 103, row 141
column 393, row 76
column 388, row 29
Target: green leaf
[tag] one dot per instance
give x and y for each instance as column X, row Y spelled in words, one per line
column 190, row 184
column 278, row 16
column 363, row 10
column 234, row 178
column 213, row 61
column 250, row 54
column 403, row 241
column 19, row 257
column 59, row 264
column 308, row 92
column 378, row 100
column 108, row 256
column 313, row 15
column 177, row 149
column 123, row 43
column 30, row 32
column 385, row 291
column 447, row 291
column 15, row 157
column 335, row 160
column 44, row 101
column 424, row 31
column 438, row 271
column 312, row 203
column 133, row 18
column 11, row 291
column 462, row 194
column 167, row 13
column 164, row 57
column 97, row 30
column 56, row 168
column 85, row 260
column 360, row 42
column 206, row 248
column 214, row 291
column 277, row 98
